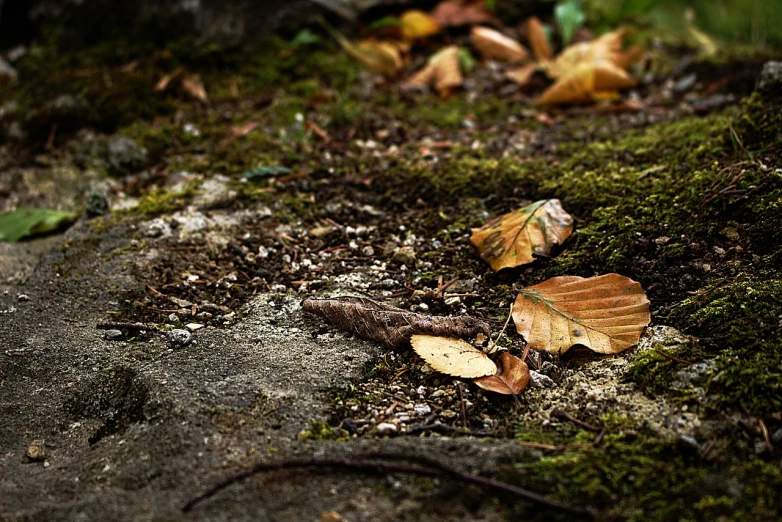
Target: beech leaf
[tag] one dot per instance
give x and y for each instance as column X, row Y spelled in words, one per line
column 587, row 82
column 453, row 356
column 390, row 325
column 512, row 239
column 441, row 72
column 607, row 313
column 538, row 40
column 512, row 379
column 455, row 13
column 417, row 25
column 494, row 45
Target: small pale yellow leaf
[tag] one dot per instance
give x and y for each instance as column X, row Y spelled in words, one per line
column 512, row 239
column 453, row 356
column 607, row 313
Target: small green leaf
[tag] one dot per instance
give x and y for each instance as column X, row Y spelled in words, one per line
column 29, row 222
column 570, row 16
column 266, row 171
column 305, row 37
column 466, row 60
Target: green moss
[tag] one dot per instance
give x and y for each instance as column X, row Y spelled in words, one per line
column 320, row 431
column 631, row 477
column 161, row 201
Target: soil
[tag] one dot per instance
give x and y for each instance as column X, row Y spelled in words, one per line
column 379, row 192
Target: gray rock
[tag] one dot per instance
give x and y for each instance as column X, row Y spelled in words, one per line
column 124, row 155
column 179, row 337
column 405, row 255
column 770, row 80
column 693, row 375
column 113, row 335
column 97, row 203
column 538, row 380
column 386, row 428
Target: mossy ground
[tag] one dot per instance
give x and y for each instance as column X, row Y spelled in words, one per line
column 687, row 205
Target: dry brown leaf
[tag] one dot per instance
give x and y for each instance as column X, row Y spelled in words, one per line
column 387, row 324
column 512, row 239
column 538, row 40
column 455, row 13
column 453, row 356
column 441, row 72
column 606, row 313
column 512, row 379
column 164, row 82
column 493, row 45
column 522, row 75
column 587, row 82
column 193, row 86
column 417, row 24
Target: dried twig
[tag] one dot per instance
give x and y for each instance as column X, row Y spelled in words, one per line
column 359, row 463
column 560, row 414
column 128, row 327
column 444, row 429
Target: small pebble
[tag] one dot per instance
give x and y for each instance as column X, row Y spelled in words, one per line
column 113, row 335
column 23, row 297
column 194, row 326
column 180, row 337
column 422, row 409
column 35, row 451
column 448, row 414
column 539, row 380
column 386, row 428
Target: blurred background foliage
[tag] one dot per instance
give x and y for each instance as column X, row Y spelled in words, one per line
column 757, row 23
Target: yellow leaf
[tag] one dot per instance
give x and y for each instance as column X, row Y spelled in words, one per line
column 538, row 40
column 417, row 24
column 511, row 239
column 378, row 56
column 494, row 45
column 512, row 380
column 584, row 82
column 453, row 356
column 607, row 48
column 606, row 314
column 441, row 72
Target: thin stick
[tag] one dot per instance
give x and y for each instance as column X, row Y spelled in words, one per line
column 560, row 414
column 374, row 466
column 493, row 344
column 130, row 327
column 766, row 438
column 464, row 408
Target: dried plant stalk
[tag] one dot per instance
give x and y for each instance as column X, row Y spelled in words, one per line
column 389, row 325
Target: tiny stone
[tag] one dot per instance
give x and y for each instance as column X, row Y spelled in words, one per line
column 113, row 335
column 539, row 380
column 173, row 317
column 194, row 326
column 453, row 300
column 35, row 451
column 180, row 337
column 437, row 394
column 386, row 428
column 689, row 441
column 448, row 414
column 368, row 251
column 23, row 297
column 662, row 240
column 425, row 409
column 405, row 255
